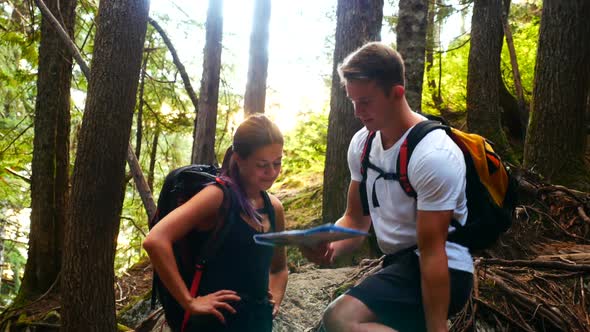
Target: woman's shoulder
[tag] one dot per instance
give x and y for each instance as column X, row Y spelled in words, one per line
column 211, row 195
column 276, row 203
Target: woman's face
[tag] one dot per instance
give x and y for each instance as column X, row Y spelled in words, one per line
column 260, row 170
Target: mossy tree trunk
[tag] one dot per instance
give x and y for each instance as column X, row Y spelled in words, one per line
column 50, row 166
column 556, row 137
column 411, row 44
column 88, row 298
column 255, row 96
column 204, row 142
column 483, row 75
column 357, row 22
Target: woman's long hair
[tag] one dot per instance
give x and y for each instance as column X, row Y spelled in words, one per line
column 256, row 132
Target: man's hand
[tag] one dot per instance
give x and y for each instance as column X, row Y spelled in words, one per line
column 321, row 254
column 211, row 304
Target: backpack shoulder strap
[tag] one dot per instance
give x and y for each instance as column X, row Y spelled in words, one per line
column 213, row 242
column 228, row 211
column 416, row 134
column 270, row 210
column 364, row 167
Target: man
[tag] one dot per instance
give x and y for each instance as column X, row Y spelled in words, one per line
column 418, row 288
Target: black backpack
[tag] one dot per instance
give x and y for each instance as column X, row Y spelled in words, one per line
column 491, row 190
column 194, row 250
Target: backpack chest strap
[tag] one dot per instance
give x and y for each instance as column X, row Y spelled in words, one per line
column 385, row 176
column 403, row 159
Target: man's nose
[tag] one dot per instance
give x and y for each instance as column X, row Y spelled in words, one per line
column 358, row 110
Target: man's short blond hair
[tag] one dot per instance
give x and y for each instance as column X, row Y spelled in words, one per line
column 374, row 61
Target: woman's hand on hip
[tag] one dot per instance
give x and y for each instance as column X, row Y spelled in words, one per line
column 212, row 303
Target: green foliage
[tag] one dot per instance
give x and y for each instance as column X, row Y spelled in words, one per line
column 305, row 146
column 453, row 79
column 14, row 254
column 524, row 21
column 18, row 61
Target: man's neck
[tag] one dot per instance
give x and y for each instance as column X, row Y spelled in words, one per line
column 403, row 120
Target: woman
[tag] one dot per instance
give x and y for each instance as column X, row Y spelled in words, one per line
column 242, row 288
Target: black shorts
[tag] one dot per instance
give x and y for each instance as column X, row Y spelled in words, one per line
column 394, row 293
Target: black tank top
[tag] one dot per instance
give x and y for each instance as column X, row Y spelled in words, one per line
column 240, row 264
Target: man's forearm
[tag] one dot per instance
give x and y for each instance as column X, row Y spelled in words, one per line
column 347, row 246
column 435, row 290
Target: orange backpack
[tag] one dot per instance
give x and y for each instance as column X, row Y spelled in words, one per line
column 490, row 188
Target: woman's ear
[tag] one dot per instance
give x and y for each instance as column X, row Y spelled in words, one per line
column 238, row 160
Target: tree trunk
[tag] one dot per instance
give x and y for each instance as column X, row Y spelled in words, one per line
column 432, row 43
column 50, row 166
column 139, row 124
column 88, row 301
column 556, row 138
column 204, row 141
column 255, row 95
column 411, row 44
column 522, row 107
column 483, row 75
column 511, row 120
column 153, row 154
column 2, row 223
column 357, row 22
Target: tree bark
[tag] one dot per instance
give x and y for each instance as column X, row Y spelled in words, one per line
column 255, row 96
column 556, row 137
column 411, row 44
column 69, row 44
column 432, row 43
column 139, row 124
column 50, row 166
column 357, row 22
column 483, row 75
column 153, row 154
column 88, row 301
column 2, row 223
column 206, row 124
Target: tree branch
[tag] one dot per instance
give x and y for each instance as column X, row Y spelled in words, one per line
column 536, row 264
column 17, row 137
column 13, row 172
column 185, row 79
column 65, row 37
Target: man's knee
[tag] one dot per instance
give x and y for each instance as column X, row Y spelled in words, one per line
column 331, row 318
column 344, row 313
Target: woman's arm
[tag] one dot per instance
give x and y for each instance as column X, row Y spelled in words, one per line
column 201, row 212
column 278, row 267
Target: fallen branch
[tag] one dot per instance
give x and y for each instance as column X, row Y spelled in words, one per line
column 530, row 303
column 536, row 264
column 583, row 214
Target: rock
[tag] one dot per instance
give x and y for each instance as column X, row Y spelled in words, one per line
column 308, row 293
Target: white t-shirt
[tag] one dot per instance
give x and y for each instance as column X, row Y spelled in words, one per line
column 436, row 172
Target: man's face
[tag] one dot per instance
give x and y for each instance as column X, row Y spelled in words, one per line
column 371, row 105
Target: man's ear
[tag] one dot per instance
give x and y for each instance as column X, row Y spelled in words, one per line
column 398, row 91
